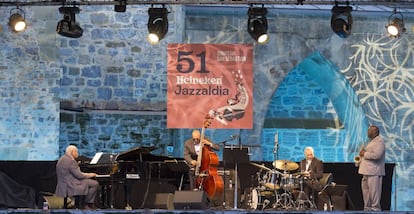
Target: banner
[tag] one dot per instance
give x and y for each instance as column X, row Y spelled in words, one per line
column 210, row 79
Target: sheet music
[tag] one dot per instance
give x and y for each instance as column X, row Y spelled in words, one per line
column 96, row 158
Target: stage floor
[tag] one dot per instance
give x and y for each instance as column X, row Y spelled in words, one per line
column 164, row 211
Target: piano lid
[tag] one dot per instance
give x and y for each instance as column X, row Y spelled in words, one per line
column 134, row 153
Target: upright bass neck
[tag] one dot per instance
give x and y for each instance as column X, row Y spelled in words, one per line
column 206, row 124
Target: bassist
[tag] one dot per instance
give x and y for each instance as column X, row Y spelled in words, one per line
column 191, row 151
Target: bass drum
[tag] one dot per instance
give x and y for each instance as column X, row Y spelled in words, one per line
column 260, row 200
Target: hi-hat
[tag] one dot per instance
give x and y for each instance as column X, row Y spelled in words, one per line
column 261, row 166
column 285, row 165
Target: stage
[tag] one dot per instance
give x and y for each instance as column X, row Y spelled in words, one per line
column 155, row 194
column 161, row 211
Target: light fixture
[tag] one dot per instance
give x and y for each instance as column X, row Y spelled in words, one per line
column 341, row 20
column 257, row 24
column 157, row 24
column 121, row 6
column 395, row 26
column 17, row 20
column 67, row 26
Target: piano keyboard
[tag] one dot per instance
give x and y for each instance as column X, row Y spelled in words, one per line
column 103, row 176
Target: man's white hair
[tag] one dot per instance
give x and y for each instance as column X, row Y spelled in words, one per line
column 309, row 148
column 70, row 148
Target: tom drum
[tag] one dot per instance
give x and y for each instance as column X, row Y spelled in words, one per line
column 289, row 182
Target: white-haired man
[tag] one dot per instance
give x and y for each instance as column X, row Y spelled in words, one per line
column 72, row 182
column 312, row 170
column 191, row 151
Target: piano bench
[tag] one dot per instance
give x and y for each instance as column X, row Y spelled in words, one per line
column 79, row 202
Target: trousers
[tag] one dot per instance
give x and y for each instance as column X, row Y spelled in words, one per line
column 371, row 186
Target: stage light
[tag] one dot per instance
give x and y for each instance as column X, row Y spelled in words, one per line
column 257, row 24
column 67, row 26
column 395, row 26
column 157, row 24
column 341, row 20
column 17, row 20
column 121, row 6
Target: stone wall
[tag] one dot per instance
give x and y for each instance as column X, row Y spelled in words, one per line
column 106, row 91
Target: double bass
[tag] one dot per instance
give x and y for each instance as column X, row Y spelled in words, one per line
column 207, row 177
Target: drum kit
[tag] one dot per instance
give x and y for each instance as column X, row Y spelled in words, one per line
column 279, row 188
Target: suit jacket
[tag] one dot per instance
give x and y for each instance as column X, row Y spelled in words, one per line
column 69, row 178
column 316, row 168
column 189, row 150
column 373, row 161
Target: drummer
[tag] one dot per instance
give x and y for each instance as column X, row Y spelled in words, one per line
column 311, row 168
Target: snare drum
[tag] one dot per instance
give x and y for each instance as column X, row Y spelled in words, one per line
column 288, row 182
column 260, row 200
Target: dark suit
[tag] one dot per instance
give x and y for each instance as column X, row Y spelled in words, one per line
column 71, row 181
column 191, row 154
column 316, row 173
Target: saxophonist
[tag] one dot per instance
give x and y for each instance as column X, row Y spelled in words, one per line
column 372, row 169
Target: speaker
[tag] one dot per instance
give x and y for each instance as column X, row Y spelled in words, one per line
column 191, row 200
column 161, row 201
column 56, row 202
column 338, row 198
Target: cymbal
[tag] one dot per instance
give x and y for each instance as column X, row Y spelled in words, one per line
column 261, row 166
column 285, row 165
column 272, row 186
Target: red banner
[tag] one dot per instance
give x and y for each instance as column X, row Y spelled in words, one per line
column 210, row 79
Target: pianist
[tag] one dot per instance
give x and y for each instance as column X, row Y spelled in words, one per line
column 72, row 182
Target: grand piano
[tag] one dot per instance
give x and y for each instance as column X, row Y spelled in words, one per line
column 135, row 178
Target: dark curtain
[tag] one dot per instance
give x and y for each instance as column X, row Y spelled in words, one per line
column 15, row 195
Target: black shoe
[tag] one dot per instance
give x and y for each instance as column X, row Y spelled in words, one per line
column 91, row 206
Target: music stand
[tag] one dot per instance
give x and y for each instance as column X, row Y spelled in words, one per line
column 332, row 190
column 180, row 166
column 233, row 155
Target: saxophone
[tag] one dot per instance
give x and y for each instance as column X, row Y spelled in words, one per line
column 357, row 158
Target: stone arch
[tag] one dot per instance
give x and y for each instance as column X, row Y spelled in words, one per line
column 344, row 100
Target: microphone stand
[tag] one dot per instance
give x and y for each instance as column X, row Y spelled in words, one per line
column 276, row 146
column 224, row 176
column 322, row 191
column 111, row 204
column 236, row 176
column 224, row 172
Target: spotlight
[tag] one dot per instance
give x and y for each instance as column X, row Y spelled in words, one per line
column 257, row 24
column 17, row 20
column 67, row 26
column 157, row 24
column 121, row 6
column 341, row 20
column 395, row 26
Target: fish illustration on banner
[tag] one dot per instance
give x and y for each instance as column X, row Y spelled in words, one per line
column 213, row 79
